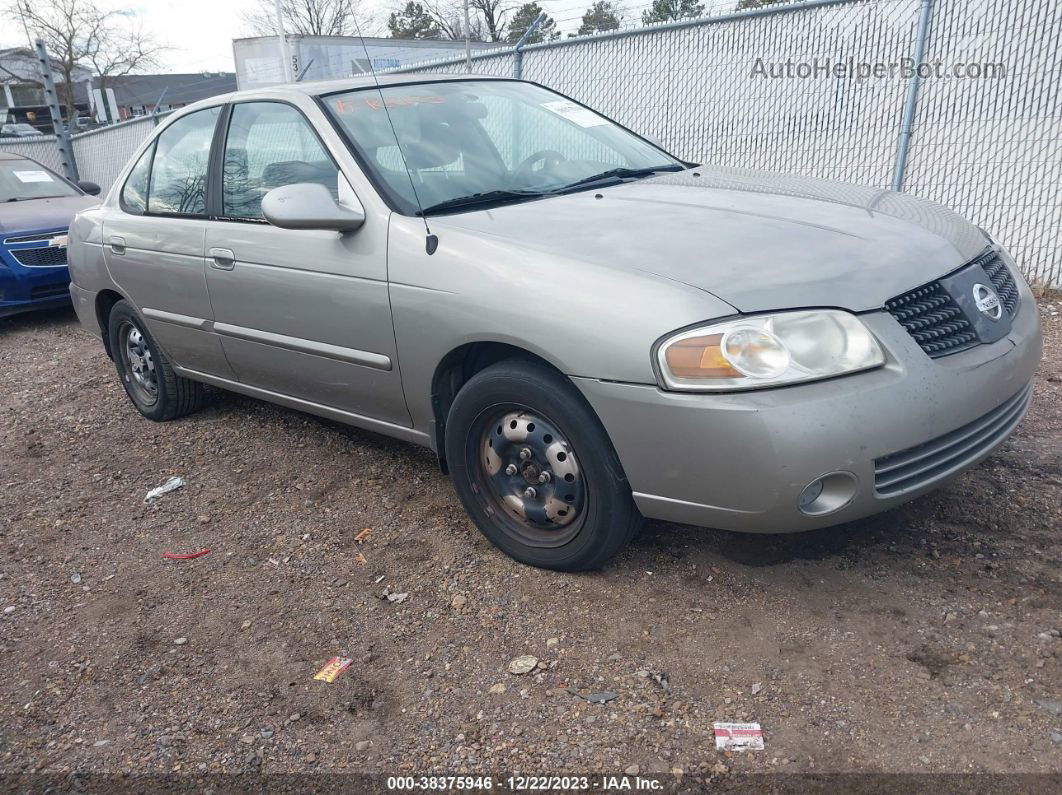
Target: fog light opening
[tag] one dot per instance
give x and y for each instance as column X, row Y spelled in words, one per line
column 827, row 494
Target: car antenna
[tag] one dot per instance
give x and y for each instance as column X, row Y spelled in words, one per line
column 431, row 242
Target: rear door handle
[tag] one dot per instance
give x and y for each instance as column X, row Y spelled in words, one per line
column 117, row 244
column 223, row 259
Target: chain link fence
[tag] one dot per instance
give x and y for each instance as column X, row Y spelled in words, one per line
column 100, row 154
column 793, row 88
column 42, row 148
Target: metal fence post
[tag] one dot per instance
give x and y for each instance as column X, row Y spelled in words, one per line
column 62, row 132
column 518, row 50
column 155, row 109
column 925, row 15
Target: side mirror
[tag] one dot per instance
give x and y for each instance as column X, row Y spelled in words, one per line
column 308, row 205
column 91, row 188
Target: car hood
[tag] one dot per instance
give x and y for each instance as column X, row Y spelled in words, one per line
column 36, row 215
column 756, row 240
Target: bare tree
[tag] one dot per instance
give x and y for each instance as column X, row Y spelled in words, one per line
column 493, row 13
column 308, row 18
column 77, row 33
column 450, row 19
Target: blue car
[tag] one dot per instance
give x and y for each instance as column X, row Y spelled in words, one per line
column 36, row 207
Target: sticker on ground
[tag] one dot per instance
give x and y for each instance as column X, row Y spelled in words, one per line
column 738, row 736
column 332, row 669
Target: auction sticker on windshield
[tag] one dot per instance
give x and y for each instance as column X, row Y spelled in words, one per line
column 33, row 176
column 584, row 117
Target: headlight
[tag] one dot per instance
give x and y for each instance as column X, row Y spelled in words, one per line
column 768, row 350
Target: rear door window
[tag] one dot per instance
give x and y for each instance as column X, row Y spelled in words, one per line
column 178, row 181
column 270, row 144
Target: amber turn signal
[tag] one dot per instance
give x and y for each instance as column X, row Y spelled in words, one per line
column 699, row 357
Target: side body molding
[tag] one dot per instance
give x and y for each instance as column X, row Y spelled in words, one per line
column 377, row 361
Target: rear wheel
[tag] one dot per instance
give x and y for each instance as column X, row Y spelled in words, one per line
column 146, row 374
column 535, row 469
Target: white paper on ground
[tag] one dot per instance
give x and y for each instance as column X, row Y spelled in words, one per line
column 738, row 736
column 170, row 485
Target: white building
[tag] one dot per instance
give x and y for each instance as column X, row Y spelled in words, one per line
column 259, row 62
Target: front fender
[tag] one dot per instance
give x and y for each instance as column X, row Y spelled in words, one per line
column 584, row 318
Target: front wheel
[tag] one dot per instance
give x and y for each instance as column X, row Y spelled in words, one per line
column 535, row 469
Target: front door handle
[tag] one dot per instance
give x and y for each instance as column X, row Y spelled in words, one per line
column 117, row 244
column 223, row 259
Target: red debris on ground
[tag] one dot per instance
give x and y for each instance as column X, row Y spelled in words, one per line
column 185, row 555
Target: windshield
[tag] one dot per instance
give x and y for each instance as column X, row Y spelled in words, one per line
column 469, row 143
column 24, row 179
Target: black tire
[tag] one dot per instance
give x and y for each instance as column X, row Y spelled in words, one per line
column 146, row 374
column 530, row 408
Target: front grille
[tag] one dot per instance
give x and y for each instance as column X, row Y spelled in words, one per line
column 934, row 320
column 50, row 256
column 942, row 318
column 49, row 291
column 31, row 238
column 919, row 466
column 1002, row 280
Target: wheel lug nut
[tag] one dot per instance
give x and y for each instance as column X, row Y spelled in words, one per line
column 530, row 492
column 511, row 469
column 544, row 477
column 525, row 454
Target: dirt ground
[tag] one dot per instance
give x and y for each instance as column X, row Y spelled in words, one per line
column 922, row 640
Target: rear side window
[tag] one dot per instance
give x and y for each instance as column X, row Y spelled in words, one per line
column 178, row 181
column 269, row 145
column 135, row 191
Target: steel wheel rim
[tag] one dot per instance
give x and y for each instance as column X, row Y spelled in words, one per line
column 138, row 363
column 528, row 476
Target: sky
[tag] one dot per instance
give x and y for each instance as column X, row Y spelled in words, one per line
column 199, row 33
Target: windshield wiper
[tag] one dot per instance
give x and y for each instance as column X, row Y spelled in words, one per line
column 500, row 196
column 616, row 175
column 488, row 197
column 32, row 198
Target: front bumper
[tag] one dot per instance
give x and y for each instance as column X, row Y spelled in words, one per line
column 22, row 288
column 740, row 461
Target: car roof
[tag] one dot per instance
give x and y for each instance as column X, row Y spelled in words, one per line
column 321, row 87
column 12, row 156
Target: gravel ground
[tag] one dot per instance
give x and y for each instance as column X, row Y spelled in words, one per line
column 922, row 640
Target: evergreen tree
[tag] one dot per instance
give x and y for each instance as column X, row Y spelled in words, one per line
column 523, row 19
column 601, row 16
column 744, row 5
column 671, row 11
column 412, row 22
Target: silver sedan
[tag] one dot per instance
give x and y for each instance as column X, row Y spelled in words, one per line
column 586, row 329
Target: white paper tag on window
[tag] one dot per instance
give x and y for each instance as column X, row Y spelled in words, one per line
column 584, row 117
column 34, row 176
